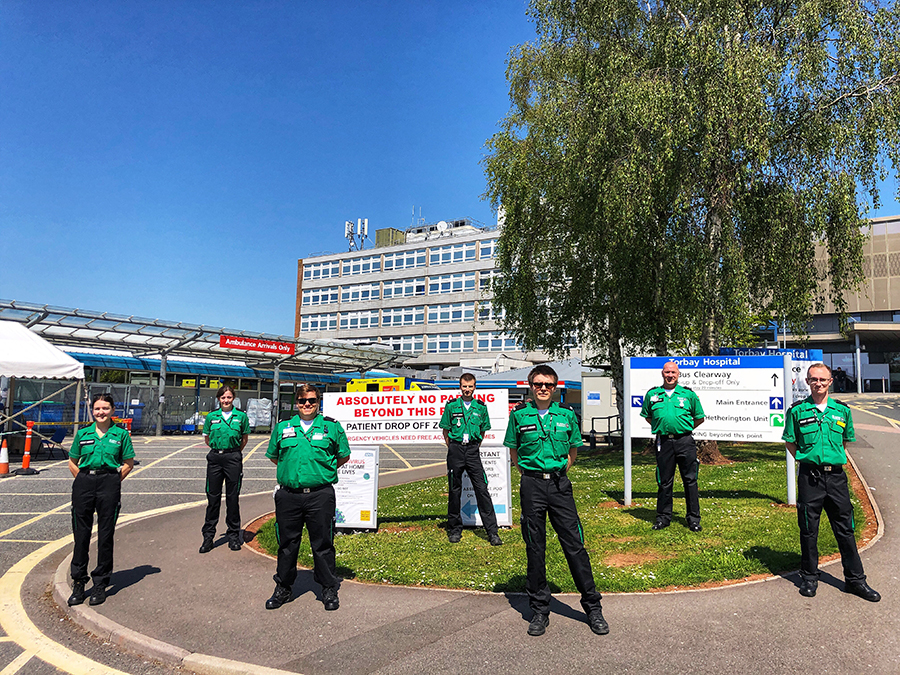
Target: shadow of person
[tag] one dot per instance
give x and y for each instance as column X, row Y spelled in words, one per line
column 825, row 579
column 125, row 578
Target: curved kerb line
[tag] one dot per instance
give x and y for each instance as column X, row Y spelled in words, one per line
column 15, row 622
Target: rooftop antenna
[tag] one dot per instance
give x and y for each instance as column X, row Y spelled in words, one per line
column 356, row 235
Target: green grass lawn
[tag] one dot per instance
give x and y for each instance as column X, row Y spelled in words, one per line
column 746, row 530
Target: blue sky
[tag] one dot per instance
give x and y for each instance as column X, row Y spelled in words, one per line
column 174, row 159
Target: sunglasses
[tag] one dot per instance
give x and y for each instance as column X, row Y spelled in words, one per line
column 304, row 401
column 543, row 385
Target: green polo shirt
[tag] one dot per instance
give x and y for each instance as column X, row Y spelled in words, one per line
column 819, row 436
column 226, row 434
column 307, row 459
column 542, row 443
column 673, row 414
column 89, row 451
column 457, row 420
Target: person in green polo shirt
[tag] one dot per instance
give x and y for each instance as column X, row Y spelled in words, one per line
column 674, row 412
column 99, row 459
column 225, row 431
column 308, row 449
column 543, row 438
column 816, row 431
column 464, row 421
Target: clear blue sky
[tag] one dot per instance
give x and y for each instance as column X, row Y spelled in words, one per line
column 173, row 159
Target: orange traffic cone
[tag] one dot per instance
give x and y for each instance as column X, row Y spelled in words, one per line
column 4, row 459
column 26, row 469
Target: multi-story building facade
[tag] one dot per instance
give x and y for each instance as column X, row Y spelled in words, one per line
column 428, row 297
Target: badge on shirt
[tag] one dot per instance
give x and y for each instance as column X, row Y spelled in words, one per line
column 808, row 420
column 465, row 438
column 528, row 427
column 317, row 437
column 655, row 399
column 680, row 402
column 115, row 441
column 288, row 432
column 84, row 443
column 214, row 421
column 564, row 425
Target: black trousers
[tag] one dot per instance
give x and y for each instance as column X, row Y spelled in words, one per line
column 818, row 489
column 683, row 453
column 101, row 493
column 316, row 509
column 540, row 498
column 223, row 468
column 468, row 458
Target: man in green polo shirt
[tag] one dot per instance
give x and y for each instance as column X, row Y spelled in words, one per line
column 674, row 412
column 543, row 438
column 308, row 449
column 464, row 421
column 816, row 432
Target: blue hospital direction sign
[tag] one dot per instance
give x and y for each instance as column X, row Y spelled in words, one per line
column 743, row 396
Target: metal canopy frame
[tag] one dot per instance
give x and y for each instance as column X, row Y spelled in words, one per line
column 85, row 329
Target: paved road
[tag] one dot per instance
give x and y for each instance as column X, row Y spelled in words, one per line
column 35, row 511
column 168, row 592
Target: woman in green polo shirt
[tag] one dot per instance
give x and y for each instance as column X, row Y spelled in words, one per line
column 99, row 459
column 225, row 431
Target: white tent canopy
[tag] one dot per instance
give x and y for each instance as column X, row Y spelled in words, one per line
column 28, row 355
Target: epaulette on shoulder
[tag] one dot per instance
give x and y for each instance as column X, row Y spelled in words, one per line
column 566, row 406
column 329, row 419
column 520, row 405
column 837, row 400
column 688, row 388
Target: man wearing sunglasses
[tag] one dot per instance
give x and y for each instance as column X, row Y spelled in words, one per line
column 816, row 432
column 674, row 412
column 464, row 421
column 308, row 449
column 543, row 438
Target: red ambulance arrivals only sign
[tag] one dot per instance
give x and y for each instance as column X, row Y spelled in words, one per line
column 255, row 345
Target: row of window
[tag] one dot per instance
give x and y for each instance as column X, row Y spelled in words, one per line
column 399, row 288
column 440, row 255
column 452, row 343
column 460, row 312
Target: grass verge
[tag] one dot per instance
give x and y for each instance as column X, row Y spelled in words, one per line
column 747, row 530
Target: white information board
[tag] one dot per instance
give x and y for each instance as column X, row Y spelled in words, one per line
column 495, row 460
column 408, row 417
column 801, row 359
column 743, row 396
column 356, row 492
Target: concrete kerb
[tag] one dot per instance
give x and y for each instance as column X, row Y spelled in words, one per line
column 146, row 646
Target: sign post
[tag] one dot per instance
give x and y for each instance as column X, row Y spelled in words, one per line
column 744, row 398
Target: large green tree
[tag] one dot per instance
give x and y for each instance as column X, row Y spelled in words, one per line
column 668, row 171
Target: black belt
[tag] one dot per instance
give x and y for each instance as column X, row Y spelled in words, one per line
column 545, row 475
column 304, row 491
column 674, row 436
column 222, row 452
column 827, row 468
column 98, row 472
column 465, row 445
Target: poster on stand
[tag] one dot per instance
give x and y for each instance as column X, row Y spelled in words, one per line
column 356, row 492
column 495, row 460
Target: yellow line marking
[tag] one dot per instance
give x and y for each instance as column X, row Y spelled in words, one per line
column 25, row 541
column 15, row 622
column 31, row 521
column 144, row 467
column 17, row 663
column 255, row 448
column 6, row 639
column 26, row 513
column 892, row 422
column 399, row 456
column 420, row 466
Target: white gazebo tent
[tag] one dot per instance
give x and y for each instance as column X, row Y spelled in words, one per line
column 24, row 354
